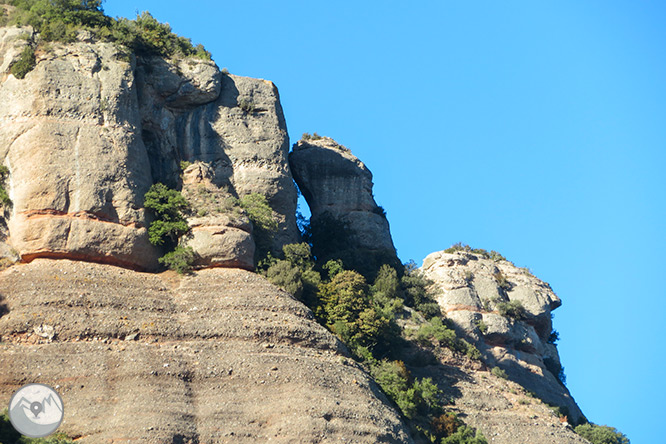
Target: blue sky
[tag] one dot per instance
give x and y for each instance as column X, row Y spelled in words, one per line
column 537, row 129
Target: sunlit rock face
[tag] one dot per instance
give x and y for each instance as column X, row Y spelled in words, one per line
column 482, row 295
column 90, row 129
column 337, row 183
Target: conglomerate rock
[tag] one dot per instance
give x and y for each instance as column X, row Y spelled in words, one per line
column 89, row 130
column 221, row 356
column 472, row 289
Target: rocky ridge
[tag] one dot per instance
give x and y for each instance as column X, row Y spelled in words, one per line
column 220, row 356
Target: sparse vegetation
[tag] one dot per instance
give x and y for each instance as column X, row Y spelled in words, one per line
column 365, row 318
column 247, row 105
column 264, row 221
column 5, row 201
column 512, row 309
column 180, row 259
column 465, row 435
column 313, row 136
column 61, row 20
column 25, row 63
column 9, row 435
column 459, row 246
column 482, row 326
column 501, row 281
column 499, row 373
column 597, row 434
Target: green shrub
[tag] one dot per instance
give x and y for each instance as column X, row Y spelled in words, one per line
column 180, row 259
column 499, row 373
column 286, row 276
column 465, row 435
column 308, row 136
column 556, row 369
column 418, row 398
column 264, row 222
column 482, row 326
column 512, row 309
column 5, row 201
column 24, row 64
column 168, row 206
column 597, row 434
column 414, row 286
column 246, row 105
column 435, row 330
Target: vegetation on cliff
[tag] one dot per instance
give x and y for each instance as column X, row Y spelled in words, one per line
column 366, row 318
column 597, row 434
column 61, row 21
column 4, row 197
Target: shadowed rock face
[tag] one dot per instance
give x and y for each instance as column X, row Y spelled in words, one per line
column 220, row 356
column 87, row 132
column 335, row 182
column 471, row 290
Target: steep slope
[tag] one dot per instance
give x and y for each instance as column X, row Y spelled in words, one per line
column 221, row 356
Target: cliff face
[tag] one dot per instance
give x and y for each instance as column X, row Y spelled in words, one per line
column 220, row 355
column 87, row 132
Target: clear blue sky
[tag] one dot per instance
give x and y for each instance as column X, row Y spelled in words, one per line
column 537, row 129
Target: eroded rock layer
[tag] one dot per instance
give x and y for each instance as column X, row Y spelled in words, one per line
column 221, row 356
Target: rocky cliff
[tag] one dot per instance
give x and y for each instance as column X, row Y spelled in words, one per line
column 506, row 311
column 220, row 355
column 90, row 128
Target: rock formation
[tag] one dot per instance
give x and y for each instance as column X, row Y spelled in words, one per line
column 334, row 182
column 473, row 292
column 222, row 356
column 89, row 129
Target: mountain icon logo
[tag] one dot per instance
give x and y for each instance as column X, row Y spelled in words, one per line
column 36, row 410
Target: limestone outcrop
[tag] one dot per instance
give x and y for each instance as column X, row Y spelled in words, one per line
column 335, row 182
column 91, row 128
column 221, row 356
column 483, row 296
